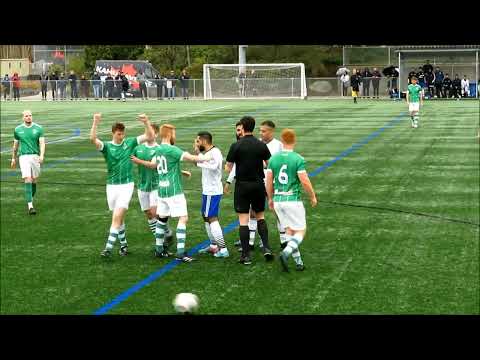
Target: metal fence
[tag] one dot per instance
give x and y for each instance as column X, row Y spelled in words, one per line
column 157, row 89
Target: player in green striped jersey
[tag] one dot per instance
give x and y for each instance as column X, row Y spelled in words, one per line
column 171, row 199
column 414, row 100
column 30, row 137
column 286, row 171
column 119, row 175
column 147, row 185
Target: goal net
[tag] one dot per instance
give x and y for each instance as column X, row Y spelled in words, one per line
column 258, row 81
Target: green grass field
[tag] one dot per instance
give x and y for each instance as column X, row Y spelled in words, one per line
column 368, row 250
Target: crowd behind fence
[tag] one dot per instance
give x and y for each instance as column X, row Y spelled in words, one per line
column 154, row 89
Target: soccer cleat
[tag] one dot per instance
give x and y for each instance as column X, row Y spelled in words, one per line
column 162, row 254
column 123, row 251
column 222, row 253
column 245, row 260
column 300, row 267
column 283, row 262
column 32, row 211
column 184, row 258
column 267, row 253
column 210, row 249
column 106, row 253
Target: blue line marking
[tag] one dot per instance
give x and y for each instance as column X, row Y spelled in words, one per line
column 230, row 227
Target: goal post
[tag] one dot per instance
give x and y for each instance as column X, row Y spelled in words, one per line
column 254, row 81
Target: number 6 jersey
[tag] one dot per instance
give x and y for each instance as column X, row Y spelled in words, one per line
column 284, row 167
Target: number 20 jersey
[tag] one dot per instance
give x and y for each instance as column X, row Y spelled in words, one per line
column 168, row 159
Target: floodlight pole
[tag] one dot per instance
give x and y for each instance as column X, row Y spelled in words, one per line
column 476, row 72
column 399, row 74
column 242, row 57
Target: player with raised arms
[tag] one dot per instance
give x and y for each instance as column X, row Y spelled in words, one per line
column 147, row 185
column 120, row 175
column 171, row 199
column 286, row 171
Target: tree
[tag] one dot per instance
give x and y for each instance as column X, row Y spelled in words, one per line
column 111, row 52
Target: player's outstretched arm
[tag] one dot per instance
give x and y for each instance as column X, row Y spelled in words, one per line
column 196, row 158
column 269, row 187
column 307, row 186
column 149, row 164
column 93, row 131
column 149, row 132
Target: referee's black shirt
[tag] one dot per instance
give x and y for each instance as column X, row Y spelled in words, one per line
column 248, row 154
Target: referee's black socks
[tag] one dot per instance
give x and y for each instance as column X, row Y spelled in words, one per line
column 244, row 232
column 262, row 229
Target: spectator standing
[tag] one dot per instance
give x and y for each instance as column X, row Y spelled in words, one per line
column 355, row 82
column 96, row 82
column 410, row 75
column 171, row 84
column 457, row 87
column 125, row 86
column 376, row 81
column 118, row 86
column 62, row 85
column 84, row 86
column 16, row 87
column 109, row 86
column 72, row 79
column 366, row 78
column 421, row 77
column 427, row 68
column 184, row 80
column 143, row 86
column 53, row 78
column 465, row 83
column 345, row 79
column 6, row 87
column 429, row 83
column 447, row 86
column 159, row 84
column 44, row 85
column 438, row 83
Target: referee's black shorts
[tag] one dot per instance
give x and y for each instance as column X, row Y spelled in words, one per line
column 249, row 193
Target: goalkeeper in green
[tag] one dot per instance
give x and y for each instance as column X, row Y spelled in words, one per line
column 286, row 171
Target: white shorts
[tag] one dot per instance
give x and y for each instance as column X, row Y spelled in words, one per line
column 174, row 206
column 147, row 199
column 291, row 214
column 29, row 165
column 119, row 196
column 414, row 107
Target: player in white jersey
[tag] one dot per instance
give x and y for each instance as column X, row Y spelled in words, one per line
column 212, row 191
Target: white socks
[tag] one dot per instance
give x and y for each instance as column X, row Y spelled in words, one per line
column 216, row 231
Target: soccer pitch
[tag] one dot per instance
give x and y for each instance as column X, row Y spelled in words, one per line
column 396, row 230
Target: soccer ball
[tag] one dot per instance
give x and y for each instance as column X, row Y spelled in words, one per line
column 186, row 303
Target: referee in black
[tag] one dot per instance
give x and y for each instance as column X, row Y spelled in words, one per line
column 248, row 154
